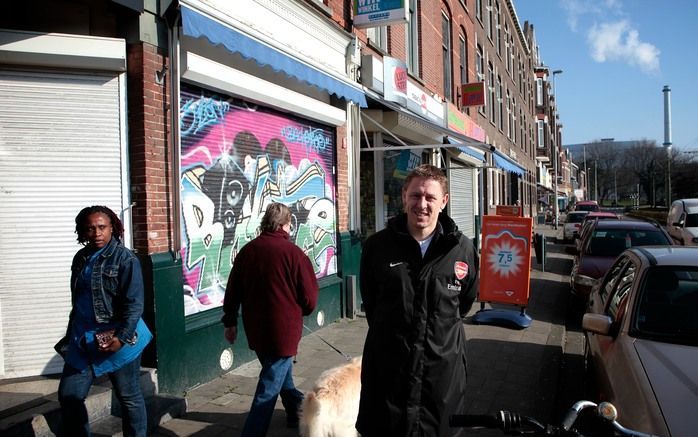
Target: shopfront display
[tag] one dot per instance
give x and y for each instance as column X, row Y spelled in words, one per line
column 237, row 158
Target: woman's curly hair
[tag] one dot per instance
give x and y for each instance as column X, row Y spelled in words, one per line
column 81, row 219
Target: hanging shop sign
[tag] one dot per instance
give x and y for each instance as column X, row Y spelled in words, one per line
column 473, row 94
column 371, row 13
column 506, row 257
column 394, row 80
column 238, row 157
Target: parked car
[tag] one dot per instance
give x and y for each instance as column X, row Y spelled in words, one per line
column 573, row 220
column 603, row 242
column 587, row 205
column 642, row 339
column 682, row 221
column 589, row 219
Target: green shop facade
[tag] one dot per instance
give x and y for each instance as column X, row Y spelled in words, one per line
column 254, row 125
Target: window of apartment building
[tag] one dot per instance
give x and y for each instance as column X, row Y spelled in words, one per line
column 378, row 37
column 509, row 114
column 490, row 11
column 446, row 55
column 490, row 87
column 478, row 9
column 500, row 103
column 513, row 119
column 413, row 40
column 539, row 91
column 541, row 133
column 507, row 47
column 480, row 70
column 462, row 64
column 498, row 28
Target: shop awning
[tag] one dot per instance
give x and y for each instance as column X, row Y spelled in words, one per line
column 468, row 150
column 453, row 139
column 195, row 25
column 501, row 161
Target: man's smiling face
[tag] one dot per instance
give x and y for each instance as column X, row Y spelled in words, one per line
column 423, row 199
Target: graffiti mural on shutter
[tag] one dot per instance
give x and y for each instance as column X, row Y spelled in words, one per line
column 237, row 158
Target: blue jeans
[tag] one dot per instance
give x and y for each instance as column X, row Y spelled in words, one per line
column 275, row 379
column 75, row 385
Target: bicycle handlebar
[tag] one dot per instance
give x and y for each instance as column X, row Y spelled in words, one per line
column 514, row 424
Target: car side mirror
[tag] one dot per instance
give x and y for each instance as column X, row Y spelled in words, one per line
column 597, row 323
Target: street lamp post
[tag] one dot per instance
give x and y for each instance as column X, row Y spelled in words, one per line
column 556, row 207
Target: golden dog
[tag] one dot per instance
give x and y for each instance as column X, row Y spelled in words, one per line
column 331, row 407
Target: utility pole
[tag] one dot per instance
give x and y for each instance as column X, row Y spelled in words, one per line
column 556, row 207
column 596, row 181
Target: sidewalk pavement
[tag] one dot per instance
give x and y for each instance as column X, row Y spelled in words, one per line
column 519, row 370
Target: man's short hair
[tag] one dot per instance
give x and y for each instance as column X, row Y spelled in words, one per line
column 427, row 171
column 276, row 215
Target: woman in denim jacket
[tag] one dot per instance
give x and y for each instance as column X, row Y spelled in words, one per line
column 107, row 297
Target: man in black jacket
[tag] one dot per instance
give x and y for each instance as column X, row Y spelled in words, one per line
column 418, row 279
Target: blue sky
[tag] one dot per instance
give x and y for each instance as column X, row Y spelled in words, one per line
column 616, row 56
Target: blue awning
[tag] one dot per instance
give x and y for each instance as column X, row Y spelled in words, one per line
column 474, row 153
column 468, row 150
column 196, row 25
column 505, row 163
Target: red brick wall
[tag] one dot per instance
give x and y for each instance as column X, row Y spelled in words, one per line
column 148, row 121
column 342, row 179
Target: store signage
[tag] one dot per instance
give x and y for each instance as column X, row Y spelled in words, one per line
column 461, row 123
column 506, row 258
column 394, row 80
column 473, row 94
column 371, row 13
column 419, row 102
column 509, row 210
column 406, row 162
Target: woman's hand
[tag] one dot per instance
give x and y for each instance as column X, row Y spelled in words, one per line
column 113, row 346
column 231, row 334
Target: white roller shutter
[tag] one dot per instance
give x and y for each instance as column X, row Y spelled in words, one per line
column 462, row 197
column 61, row 148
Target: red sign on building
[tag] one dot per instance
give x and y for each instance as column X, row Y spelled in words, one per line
column 473, row 94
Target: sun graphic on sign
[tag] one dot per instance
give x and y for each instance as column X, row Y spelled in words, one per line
column 505, row 259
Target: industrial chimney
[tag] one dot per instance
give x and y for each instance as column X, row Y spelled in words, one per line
column 667, row 116
column 667, row 140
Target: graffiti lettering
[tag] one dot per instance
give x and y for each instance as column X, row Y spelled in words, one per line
column 196, row 114
column 312, row 139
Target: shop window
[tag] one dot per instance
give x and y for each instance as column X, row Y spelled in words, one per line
column 236, row 158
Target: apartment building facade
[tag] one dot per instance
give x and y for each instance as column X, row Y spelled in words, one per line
column 188, row 117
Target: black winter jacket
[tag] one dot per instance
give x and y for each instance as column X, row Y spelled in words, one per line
column 414, row 371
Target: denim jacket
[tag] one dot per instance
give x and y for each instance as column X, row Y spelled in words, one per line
column 117, row 288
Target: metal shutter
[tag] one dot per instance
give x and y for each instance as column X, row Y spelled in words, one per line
column 461, row 197
column 60, row 150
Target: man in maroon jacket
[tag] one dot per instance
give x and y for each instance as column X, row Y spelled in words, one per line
column 273, row 280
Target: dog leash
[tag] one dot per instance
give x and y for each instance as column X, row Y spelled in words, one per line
column 346, row 357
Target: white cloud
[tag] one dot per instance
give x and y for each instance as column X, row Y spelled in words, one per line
column 619, row 41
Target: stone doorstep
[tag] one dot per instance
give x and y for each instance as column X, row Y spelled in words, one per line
column 41, row 416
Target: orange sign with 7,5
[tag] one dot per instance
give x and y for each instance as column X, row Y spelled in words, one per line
column 506, row 257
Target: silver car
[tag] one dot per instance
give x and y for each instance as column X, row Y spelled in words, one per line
column 682, row 222
column 642, row 338
column 573, row 221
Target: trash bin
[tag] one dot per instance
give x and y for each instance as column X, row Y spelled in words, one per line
column 540, row 218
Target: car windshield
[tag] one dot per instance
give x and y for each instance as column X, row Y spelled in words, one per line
column 589, row 207
column 575, row 218
column 611, row 242
column 668, row 305
column 692, row 221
